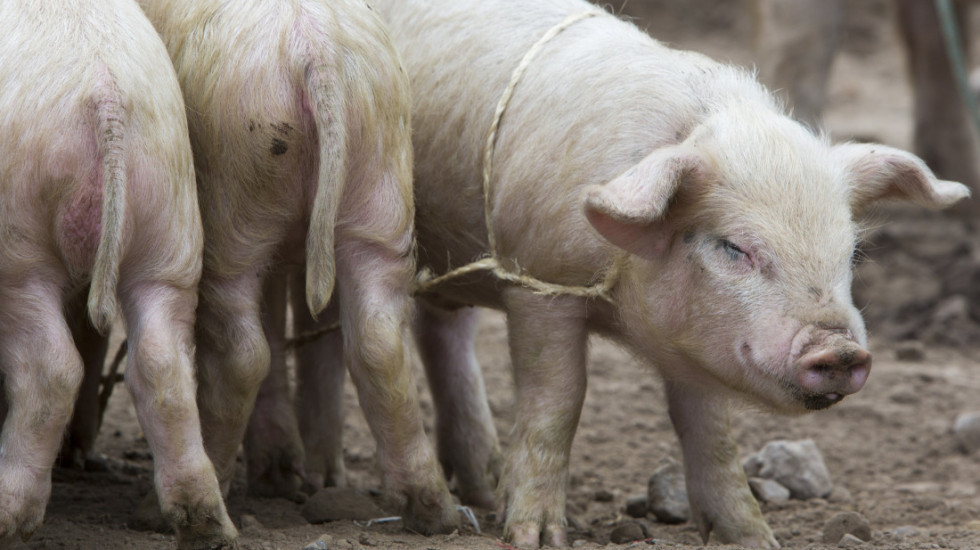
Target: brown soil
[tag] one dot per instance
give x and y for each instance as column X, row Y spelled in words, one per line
column 889, row 449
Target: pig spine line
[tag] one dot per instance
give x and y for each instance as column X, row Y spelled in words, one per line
column 329, row 114
column 492, row 264
column 110, row 123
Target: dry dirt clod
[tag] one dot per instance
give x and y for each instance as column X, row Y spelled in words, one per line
column 636, row 506
column 846, row 523
column 627, row 532
column 967, row 431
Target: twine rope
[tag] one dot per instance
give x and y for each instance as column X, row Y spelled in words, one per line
column 427, row 281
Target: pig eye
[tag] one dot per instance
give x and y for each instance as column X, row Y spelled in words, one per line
column 734, row 253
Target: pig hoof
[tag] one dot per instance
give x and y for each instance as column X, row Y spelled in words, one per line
column 431, row 512
column 530, row 534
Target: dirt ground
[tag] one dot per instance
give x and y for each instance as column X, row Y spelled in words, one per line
column 889, row 449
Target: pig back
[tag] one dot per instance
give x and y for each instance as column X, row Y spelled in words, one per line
column 597, row 99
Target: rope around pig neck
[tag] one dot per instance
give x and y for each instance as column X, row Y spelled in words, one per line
column 427, row 281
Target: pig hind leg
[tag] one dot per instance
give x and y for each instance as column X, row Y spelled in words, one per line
column 374, row 307
column 160, row 377
column 467, row 440
column 273, row 449
column 320, row 378
column 42, row 373
column 77, row 449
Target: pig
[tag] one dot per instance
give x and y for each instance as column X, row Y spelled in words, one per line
column 299, row 121
column 97, row 211
column 716, row 235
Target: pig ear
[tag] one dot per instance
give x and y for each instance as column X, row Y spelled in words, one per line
column 629, row 211
column 885, row 173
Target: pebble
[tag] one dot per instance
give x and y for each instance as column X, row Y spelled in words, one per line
column 667, row 493
column 322, row 543
column 910, row 350
column 967, row 431
column 636, row 506
column 627, row 532
column 849, row 541
column 768, row 490
column 906, row 531
column 796, row 465
column 846, row 523
column 337, row 503
column 604, row 495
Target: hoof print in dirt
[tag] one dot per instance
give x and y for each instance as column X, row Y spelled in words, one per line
column 846, row 523
column 796, row 465
column 339, row 503
column 667, row 493
column 967, row 431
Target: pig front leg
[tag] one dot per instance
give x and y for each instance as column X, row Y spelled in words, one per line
column 720, row 498
column 548, row 342
column 374, row 316
column 467, row 440
column 273, row 449
column 320, row 376
column 42, row 373
column 160, row 377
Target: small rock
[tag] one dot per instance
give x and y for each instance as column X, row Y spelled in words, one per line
column 849, row 541
column 910, row 350
column 906, row 531
column 636, row 506
column 603, row 495
column 322, row 543
column 337, row 503
column 626, row 532
column 796, row 465
column 768, row 490
column 967, row 431
column 667, row 493
column 846, row 523
column 840, row 494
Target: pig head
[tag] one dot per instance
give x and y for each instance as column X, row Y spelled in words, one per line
column 742, row 238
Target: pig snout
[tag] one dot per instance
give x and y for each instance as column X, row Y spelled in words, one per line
column 831, row 366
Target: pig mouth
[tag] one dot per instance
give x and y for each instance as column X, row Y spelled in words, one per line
column 813, row 401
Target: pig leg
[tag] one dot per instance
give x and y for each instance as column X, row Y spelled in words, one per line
column 160, row 377
column 233, row 360
column 42, row 373
column 548, row 342
column 721, row 501
column 320, row 376
column 374, row 313
column 943, row 136
column 76, row 452
column 273, row 449
column 467, row 440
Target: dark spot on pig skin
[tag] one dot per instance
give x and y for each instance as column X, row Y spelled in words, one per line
column 283, row 128
column 251, row 125
column 688, row 236
column 279, row 147
column 815, row 292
